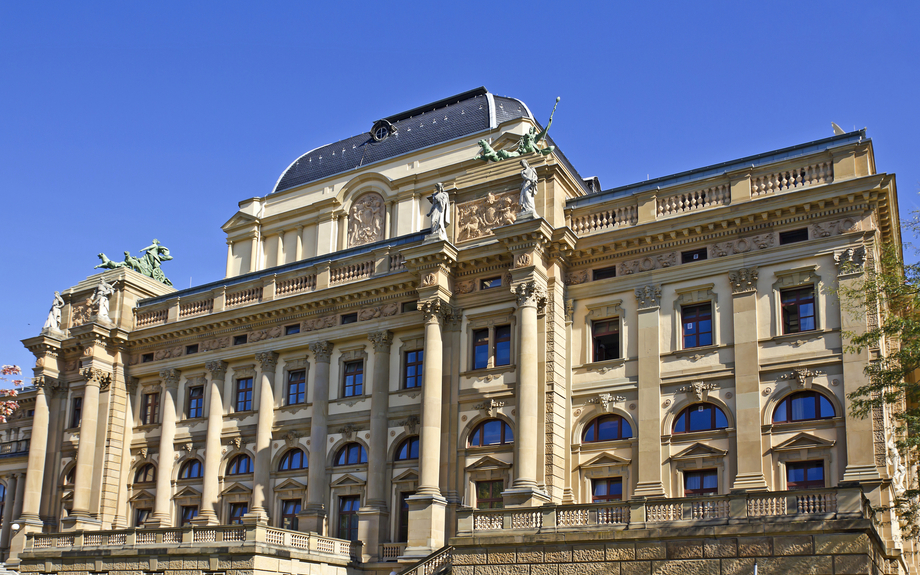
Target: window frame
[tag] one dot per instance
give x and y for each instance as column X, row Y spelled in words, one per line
column 785, row 403
column 345, row 378
column 494, row 501
column 685, row 412
column 246, row 401
column 76, row 411
column 347, row 521
column 234, row 459
column 595, row 336
column 408, row 442
column 807, row 483
column 235, row 512
column 144, row 468
column 146, row 512
column 419, row 366
column 505, row 427
column 696, row 320
column 362, row 455
column 793, row 236
column 402, row 516
column 185, row 510
column 702, row 473
column 608, row 272
column 300, row 395
column 188, row 464
column 190, row 404
column 150, row 412
column 288, row 456
column 598, row 420
column 606, row 481
column 789, row 279
column 284, row 515
column 785, row 323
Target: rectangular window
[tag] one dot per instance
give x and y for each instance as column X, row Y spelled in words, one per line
column 701, row 482
column 150, row 408
column 693, row 256
column 480, row 348
column 292, row 329
column 793, row 236
column 413, row 372
column 195, row 402
column 348, row 517
column 503, row 345
column 489, row 283
column 140, row 516
column 489, row 494
column 244, row 394
column 76, row 412
column 492, row 347
column 190, row 349
column 607, row 489
column 408, row 306
column 188, row 512
column 402, row 529
column 297, row 387
column 606, row 337
column 236, row 512
column 805, row 475
column 353, row 382
column 604, row 273
column 289, row 510
column 240, row 339
column 349, row 318
column 696, row 321
column 798, row 309
column 147, row 357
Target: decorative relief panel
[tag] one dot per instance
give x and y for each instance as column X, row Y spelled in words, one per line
column 477, row 218
column 576, row 277
column 647, row 263
column 81, row 313
column 214, row 344
column 318, row 323
column 270, row 333
column 648, row 296
column 366, row 219
column 743, row 245
column 385, row 310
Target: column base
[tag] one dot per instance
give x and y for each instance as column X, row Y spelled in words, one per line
column 427, row 513
column 372, row 527
column 78, row 523
column 312, row 520
column 861, row 473
column 750, row 482
column 524, row 497
column 649, row 489
column 206, row 518
column 255, row 517
column 18, row 539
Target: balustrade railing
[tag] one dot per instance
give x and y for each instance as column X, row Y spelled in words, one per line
column 244, row 296
column 351, row 272
column 683, row 202
column 391, row 551
column 605, row 217
column 433, row 563
column 149, row 318
column 196, row 307
column 296, row 285
column 800, row 177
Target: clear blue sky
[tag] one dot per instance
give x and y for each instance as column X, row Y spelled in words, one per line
column 126, row 121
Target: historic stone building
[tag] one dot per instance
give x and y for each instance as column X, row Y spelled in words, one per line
column 513, row 372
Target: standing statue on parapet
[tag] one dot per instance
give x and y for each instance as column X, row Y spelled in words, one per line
column 54, row 316
column 148, row 264
column 101, row 300
column 528, row 189
column 439, row 212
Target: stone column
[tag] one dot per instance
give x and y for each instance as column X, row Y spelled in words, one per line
column 210, row 494
column 747, row 381
column 162, row 516
column 524, row 491
column 649, row 484
column 373, row 517
column 229, row 257
column 451, row 471
column 254, row 253
column 312, row 517
column 35, row 470
column 257, row 513
column 279, row 251
column 8, row 511
column 427, row 506
column 298, row 254
column 86, row 449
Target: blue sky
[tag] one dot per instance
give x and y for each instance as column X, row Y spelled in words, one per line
column 126, row 121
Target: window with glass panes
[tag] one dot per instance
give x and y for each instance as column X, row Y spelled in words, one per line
column 701, row 482
column 408, row 449
column 803, row 406
column 413, row 369
column 489, row 494
column 297, row 387
column 605, row 336
column 236, row 512
column 607, row 428
column 403, row 520
column 140, row 516
column 492, row 347
column 491, row 432
column 76, row 411
column 351, row 454
column 798, row 309
column 696, row 322
column 289, row 510
column 244, row 394
column 606, row 489
column 150, row 408
column 353, row 379
column 348, row 517
column 195, row 402
column 700, row 417
column 188, row 513
column 805, row 475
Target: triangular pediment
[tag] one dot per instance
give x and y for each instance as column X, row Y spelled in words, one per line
column 605, row 460
column 142, row 495
column 235, row 488
column 347, row 479
column 238, row 219
column 290, row 484
column 698, row 450
column 487, row 462
column 408, row 475
column 803, row 441
column 187, row 492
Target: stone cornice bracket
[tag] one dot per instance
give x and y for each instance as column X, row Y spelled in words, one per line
column 96, row 377
column 410, row 424
column 606, row 400
column 802, row 376
column 700, row 389
column 648, row 296
column 850, row 261
column 322, row 351
column 171, row 377
column 489, row 406
column 381, row 340
column 563, row 244
column 530, row 294
column 743, row 280
column 268, row 360
column 217, row 368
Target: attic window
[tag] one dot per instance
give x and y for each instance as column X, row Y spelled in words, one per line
column 382, row 129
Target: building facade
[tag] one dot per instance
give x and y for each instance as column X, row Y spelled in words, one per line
column 367, row 385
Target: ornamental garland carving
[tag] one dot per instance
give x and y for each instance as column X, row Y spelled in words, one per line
column 647, row 263
column 576, row 277
column 322, row 350
column 648, row 296
column 168, row 353
column 385, row 310
column 606, row 400
column 802, row 376
column 699, row 389
column 477, row 218
column 318, row 323
column 743, row 280
column 365, row 220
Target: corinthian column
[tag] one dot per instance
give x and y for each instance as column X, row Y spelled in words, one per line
column 86, row 448
column 8, row 505
column 35, row 469
column 211, row 491
column 314, row 512
column 372, row 518
column 161, row 512
column 648, row 299
column 268, row 360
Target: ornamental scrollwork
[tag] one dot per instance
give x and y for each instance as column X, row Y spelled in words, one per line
column 648, row 296
column 322, row 351
column 743, row 280
column 606, row 400
column 699, row 389
column 381, row 340
column 94, row 376
column 171, row 377
column 529, row 294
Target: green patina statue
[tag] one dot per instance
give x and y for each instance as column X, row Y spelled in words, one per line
column 148, row 264
column 526, row 145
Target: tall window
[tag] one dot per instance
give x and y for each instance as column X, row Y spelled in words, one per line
column 803, row 406
column 353, row 382
column 244, row 394
column 701, row 482
column 188, row 512
column 403, row 520
column 297, row 387
column 408, row 449
column 489, row 494
column 798, row 309
column 805, row 475
column 605, row 336
column 348, row 517
column 492, row 347
column 146, row 474
column 351, row 454
column 150, row 408
column 236, row 512
column 289, row 510
column 140, row 516
column 607, row 428
column 195, row 401
column 606, row 489
column 491, row 432
column 76, row 411
column 700, row 417
column 293, row 459
column 696, row 323
column 191, row 469
column 240, row 465
column 413, row 372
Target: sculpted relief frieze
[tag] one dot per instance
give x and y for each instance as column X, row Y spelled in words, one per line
column 366, row 220
column 477, row 218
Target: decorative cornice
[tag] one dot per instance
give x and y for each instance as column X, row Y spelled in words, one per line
column 268, row 360
column 322, row 351
column 743, row 280
column 217, row 368
column 648, row 296
column 381, row 340
column 171, row 377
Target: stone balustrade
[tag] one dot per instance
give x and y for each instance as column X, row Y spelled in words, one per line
column 151, row 318
column 693, row 200
column 821, row 172
column 351, row 272
column 244, row 296
column 197, row 307
column 298, row 284
column 391, row 551
column 605, row 217
column 438, row 560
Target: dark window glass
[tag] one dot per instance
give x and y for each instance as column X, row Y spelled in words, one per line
column 76, row 411
column 503, row 345
column 607, row 428
column 409, row 306
column 293, row 459
column 606, row 338
column 146, row 474
column 289, row 510
column 244, row 394
column 240, row 465
column 296, row 387
column 793, row 236
column 798, row 309
column 292, row 329
column 700, row 417
column 191, row 469
column 604, row 273
column 693, row 256
column 150, row 408
column 803, row 406
column 190, row 349
column 188, row 513
column 147, row 357
column 607, row 489
column 403, row 528
column 195, row 401
column 237, row 510
column 697, row 325
column 489, row 494
column 491, row 432
column 348, row 517
column 413, row 374
column 408, row 449
column 805, row 475
column 480, row 348
column 351, row 454
column 140, row 516
column 489, row 283
column 240, row 339
column 354, row 379
column 701, row 482
column 349, row 318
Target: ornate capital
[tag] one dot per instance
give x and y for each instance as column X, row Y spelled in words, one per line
column 381, row 341
column 44, row 382
column 648, row 296
column 454, row 319
column 529, row 294
column 96, row 377
column 322, row 351
column 217, row 368
column 743, row 280
column 435, row 308
column 171, row 377
column 268, row 360
column 850, row 261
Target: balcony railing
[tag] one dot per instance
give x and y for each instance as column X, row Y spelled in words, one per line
column 14, row 448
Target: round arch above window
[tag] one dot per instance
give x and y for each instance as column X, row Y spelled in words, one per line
column 491, row 432
column 71, row 475
column 607, row 427
column 240, row 465
column 803, row 406
column 700, row 417
column 408, row 449
column 191, row 469
column 351, row 454
column 293, row 459
column 147, row 473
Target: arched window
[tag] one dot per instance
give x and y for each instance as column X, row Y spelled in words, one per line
column 146, row 474
column 351, row 454
column 240, row 465
column 607, row 428
column 803, row 406
column 70, row 476
column 700, row 417
column 408, row 449
column 293, row 459
column 491, row 432
column 191, row 469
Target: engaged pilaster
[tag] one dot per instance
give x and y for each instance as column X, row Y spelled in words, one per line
column 648, row 299
column 211, row 490
column 313, row 515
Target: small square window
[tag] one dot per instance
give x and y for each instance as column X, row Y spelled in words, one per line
column 240, row 339
column 349, row 318
column 292, row 329
column 489, row 494
column 793, row 236
column 408, row 306
column 147, row 357
column 693, row 256
column 604, row 273
column 489, row 283
column 190, row 349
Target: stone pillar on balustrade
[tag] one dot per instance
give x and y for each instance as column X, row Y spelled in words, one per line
column 648, row 300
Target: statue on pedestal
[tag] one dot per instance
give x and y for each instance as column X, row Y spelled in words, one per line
column 149, row 264
column 528, row 189
column 54, row 316
column 439, row 212
column 101, row 299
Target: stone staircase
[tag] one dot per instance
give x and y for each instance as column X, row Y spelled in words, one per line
column 438, row 563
